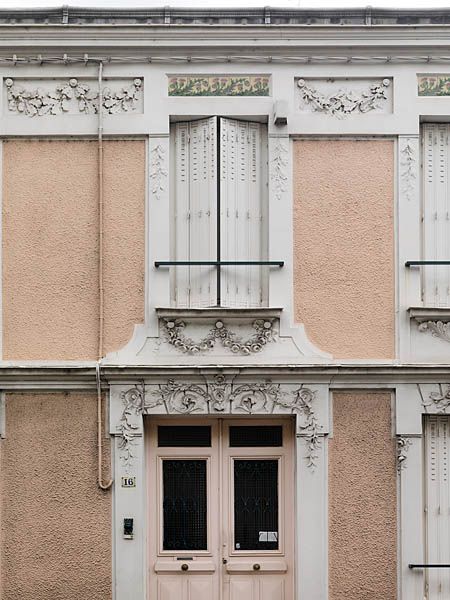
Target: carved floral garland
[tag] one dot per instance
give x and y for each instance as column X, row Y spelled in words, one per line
column 278, row 173
column 437, row 328
column 133, row 400
column 158, row 173
column 220, row 332
column 408, row 175
column 39, row 102
column 403, row 445
column 215, row 397
column 440, row 400
column 343, row 103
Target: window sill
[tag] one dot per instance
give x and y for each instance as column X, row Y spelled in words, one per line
column 215, row 312
column 429, row 313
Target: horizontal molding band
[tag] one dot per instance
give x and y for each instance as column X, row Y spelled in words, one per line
column 53, row 377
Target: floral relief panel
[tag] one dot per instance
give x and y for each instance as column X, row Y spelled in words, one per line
column 434, row 85
column 214, row 85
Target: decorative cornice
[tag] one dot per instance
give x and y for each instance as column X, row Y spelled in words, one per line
column 437, row 329
column 403, row 445
column 439, row 400
column 342, row 102
column 158, row 173
column 265, row 333
column 69, row 95
column 278, row 169
column 133, row 401
column 408, row 170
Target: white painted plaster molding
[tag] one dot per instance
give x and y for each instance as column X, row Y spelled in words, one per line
column 403, row 444
column 2, row 415
column 437, row 329
column 408, row 240
column 408, row 167
column 436, row 399
column 412, row 549
column 279, row 168
column 158, row 171
column 328, row 96
column 68, row 96
column 220, row 395
column 264, row 334
column 311, row 520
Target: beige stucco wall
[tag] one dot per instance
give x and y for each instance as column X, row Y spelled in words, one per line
column 50, row 247
column 56, row 523
column 362, row 499
column 344, row 246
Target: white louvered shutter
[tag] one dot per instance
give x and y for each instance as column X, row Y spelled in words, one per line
column 436, row 213
column 437, row 508
column 243, row 190
column 194, row 211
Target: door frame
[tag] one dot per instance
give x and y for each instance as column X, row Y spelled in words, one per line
column 310, row 404
column 223, row 499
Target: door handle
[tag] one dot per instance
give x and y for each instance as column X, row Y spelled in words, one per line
column 224, row 561
column 256, row 567
column 184, row 567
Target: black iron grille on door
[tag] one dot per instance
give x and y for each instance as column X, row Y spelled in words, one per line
column 184, row 505
column 218, row 264
column 256, row 504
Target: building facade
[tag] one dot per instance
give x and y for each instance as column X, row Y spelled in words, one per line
column 225, row 315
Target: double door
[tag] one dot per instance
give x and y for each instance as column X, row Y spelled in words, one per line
column 221, row 510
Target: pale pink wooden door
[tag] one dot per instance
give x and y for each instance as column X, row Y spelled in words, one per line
column 220, row 510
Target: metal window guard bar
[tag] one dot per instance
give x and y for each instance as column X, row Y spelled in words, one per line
column 429, row 566
column 415, row 263
column 218, row 263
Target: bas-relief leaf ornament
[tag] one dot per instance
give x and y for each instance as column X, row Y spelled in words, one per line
column 343, row 103
column 439, row 400
column 219, row 396
column 158, row 173
column 437, row 329
column 219, row 332
column 403, row 445
column 219, row 85
column 407, row 172
column 278, row 174
column 70, row 96
column 128, row 428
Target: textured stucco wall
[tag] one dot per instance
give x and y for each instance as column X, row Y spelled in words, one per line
column 56, row 523
column 344, row 246
column 50, row 247
column 362, row 499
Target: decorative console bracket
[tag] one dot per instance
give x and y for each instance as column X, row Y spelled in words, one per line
column 435, row 321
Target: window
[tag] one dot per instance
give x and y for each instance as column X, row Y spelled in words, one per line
column 436, row 214
column 219, row 235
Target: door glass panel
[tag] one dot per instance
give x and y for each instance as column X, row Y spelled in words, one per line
column 256, row 436
column 256, row 504
column 184, row 505
column 184, row 436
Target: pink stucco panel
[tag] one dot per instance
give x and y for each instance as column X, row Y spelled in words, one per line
column 362, row 499
column 50, row 247
column 56, row 523
column 344, row 245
